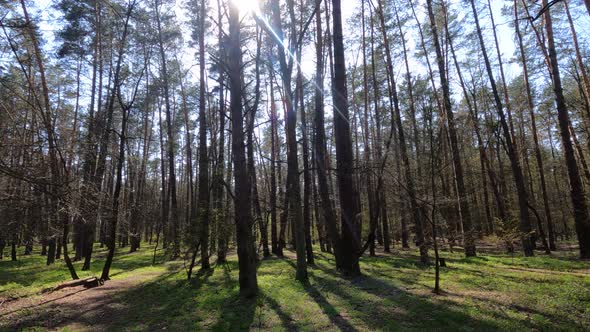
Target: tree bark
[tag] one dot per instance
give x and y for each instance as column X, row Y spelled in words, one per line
column 321, row 159
column 349, row 247
column 396, row 122
column 469, row 241
column 203, row 203
column 243, row 216
column 175, row 251
column 581, row 217
column 535, row 135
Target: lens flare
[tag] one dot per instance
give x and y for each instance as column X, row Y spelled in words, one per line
column 247, row 6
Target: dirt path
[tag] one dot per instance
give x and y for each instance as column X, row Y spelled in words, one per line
column 77, row 308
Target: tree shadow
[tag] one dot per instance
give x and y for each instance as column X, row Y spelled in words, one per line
column 53, row 315
column 237, row 314
column 408, row 310
column 201, row 277
column 286, row 320
column 329, row 310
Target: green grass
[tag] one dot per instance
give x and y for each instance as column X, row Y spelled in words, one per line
column 489, row 292
column 29, row 275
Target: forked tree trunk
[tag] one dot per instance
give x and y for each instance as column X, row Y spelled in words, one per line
column 321, row 158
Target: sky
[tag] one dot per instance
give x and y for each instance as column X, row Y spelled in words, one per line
column 49, row 25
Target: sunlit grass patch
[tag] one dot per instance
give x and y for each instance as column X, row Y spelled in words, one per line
column 488, row 292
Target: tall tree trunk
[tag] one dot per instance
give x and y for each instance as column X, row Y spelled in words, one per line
column 250, row 150
column 306, row 171
column 218, row 187
column 525, row 225
column 380, row 193
column 537, row 148
column 273, row 177
column 56, row 171
column 203, row 204
column 321, row 159
column 119, row 178
column 349, row 247
column 469, row 240
column 293, row 184
column 175, row 251
column 397, row 123
column 374, row 210
column 243, row 216
column 577, row 191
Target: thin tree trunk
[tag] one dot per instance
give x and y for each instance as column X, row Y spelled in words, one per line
column 306, row 171
column 275, row 246
column 53, row 150
column 525, row 224
column 537, row 148
column 293, row 185
column 203, row 203
column 397, row 122
column 219, row 215
column 170, row 144
column 373, row 208
column 469, row 241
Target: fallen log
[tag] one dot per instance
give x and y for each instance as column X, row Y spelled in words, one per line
column 89, row 282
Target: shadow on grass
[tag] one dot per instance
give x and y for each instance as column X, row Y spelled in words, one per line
column 329, row 310
column 381, row 305
column 378, row 300
column 288, row 323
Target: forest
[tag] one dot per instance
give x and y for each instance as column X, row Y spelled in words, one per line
column 294, row 165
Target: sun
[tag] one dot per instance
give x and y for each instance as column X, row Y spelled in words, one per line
column 247, row 6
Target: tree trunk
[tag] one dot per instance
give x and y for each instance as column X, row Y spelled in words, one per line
column 170, row 144
column 203, row 203
column 293, row 184
column 250, row 150
column 397, row 123
column 525, row 224
column 537, row 148
column 374, row 210
column 469, row 241
column 321, row 159
column 577, row 192
column 218, row 186
column 115, row 199
column 273, row 177
column 349, row 247
column 243, row 216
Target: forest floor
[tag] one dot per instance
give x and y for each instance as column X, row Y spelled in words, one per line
column 490, row 292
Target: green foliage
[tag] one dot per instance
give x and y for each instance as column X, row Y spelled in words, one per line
column 491, row 292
